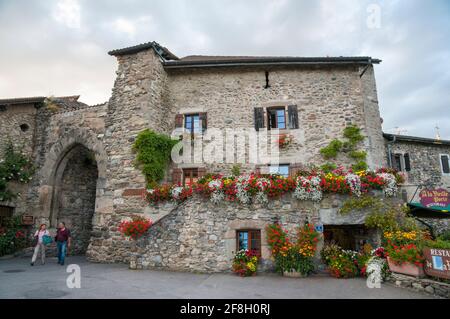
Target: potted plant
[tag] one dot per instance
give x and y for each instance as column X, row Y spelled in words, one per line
column 293, row 259
column 403, row 254
column 245, row 263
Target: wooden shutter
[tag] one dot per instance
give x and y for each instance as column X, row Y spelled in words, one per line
column 203, row 120
column 177, row 175
column 179, row 121
column 255, row 241
column 293, row 116
column 445, row 164
column 201, row 172
column 407, row 162
column 294, row 168
column 259, row 118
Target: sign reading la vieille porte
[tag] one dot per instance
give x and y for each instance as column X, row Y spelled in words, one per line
column 435, row 198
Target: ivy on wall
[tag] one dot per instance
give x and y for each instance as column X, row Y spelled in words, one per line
column 353, row 137
column 14, row 166
column 153, row 155
column 382, row 215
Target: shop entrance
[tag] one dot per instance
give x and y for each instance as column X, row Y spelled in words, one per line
column 352, row 237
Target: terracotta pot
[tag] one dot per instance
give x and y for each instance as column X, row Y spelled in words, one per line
column 406, row 268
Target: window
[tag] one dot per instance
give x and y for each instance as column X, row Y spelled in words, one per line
column 282, row 170
column 401, row 162
column 5, row 213
column 24, row 127
column 192, row 123
column 445, row 164
column 190, row 176
column 397, row 163
column 249, row 240
column 276, row 118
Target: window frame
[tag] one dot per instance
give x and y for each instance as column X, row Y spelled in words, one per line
column 191, row 175
column 192, row 130
column 249, row 231
column 275, row 109
column 278, row 165
column 442, row 166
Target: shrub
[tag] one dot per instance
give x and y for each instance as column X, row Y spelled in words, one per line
column 245, row 263
column 12, row 236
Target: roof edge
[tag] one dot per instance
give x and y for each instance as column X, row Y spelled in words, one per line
column 160, row 50
column 416, row 139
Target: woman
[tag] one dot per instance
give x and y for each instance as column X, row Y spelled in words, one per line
column 40, row 233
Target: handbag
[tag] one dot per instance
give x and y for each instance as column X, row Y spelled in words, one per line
column 46, row 239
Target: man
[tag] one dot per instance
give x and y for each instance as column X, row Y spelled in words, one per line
column 63, row 242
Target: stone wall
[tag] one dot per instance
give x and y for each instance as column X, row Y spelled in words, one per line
column 18, row 123
column 423, row 285
column 425, row 168
column 199, row 236
column 329, row 94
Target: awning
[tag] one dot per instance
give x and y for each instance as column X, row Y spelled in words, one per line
column 418, row 210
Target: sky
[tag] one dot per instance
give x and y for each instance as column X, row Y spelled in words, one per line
column 59, row 47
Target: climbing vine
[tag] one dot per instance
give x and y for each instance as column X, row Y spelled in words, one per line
column 353, row 137
column 14, row 166
column 382, row 215
column 153, row 155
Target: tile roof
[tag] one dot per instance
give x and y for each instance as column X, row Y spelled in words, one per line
column 172, row 61
column 65, row 102
column 207, row 61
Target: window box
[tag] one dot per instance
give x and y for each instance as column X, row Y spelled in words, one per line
column 406, row 268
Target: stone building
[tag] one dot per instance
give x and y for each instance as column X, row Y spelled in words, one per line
column 85, row 164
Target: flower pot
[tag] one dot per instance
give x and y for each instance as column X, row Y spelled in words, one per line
column 293, row 274
column 405, row 268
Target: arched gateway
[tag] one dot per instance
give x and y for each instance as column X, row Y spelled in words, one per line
column 73, row 182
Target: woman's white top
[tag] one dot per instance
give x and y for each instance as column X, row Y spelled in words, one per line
column 40, row 234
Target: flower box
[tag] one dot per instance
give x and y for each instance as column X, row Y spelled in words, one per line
column 406, row 268
column 294, row 274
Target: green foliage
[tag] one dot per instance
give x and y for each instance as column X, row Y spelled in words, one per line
column 14, row 166
column 360, row 166
column 438, row 244
column 382, row 215
column 332, row 149
column 353, row 136
column 153, row 155
column 445, row 236
column 12, row 236
column 293, row 261
column 328, row 167
column 236, row 170
column 358, row 155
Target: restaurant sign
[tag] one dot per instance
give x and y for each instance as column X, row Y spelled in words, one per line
column 438, row 199
column 437, row 262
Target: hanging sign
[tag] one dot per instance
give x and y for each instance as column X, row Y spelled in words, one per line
column 438, row 199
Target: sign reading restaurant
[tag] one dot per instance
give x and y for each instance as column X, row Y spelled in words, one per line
column 435, row 199
column 437, row 262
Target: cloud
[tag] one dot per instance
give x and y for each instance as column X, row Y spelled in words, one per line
column 60, row 46
column 68, row 12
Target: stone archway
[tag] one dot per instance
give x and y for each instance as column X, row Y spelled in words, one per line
column 73, row 185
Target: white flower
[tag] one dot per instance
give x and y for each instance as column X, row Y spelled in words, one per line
column 354, row 182
column 150, row 191
column 217, row 194
column 176, row 192
column 308, row 189
column 390, row 184
column 241, row 189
